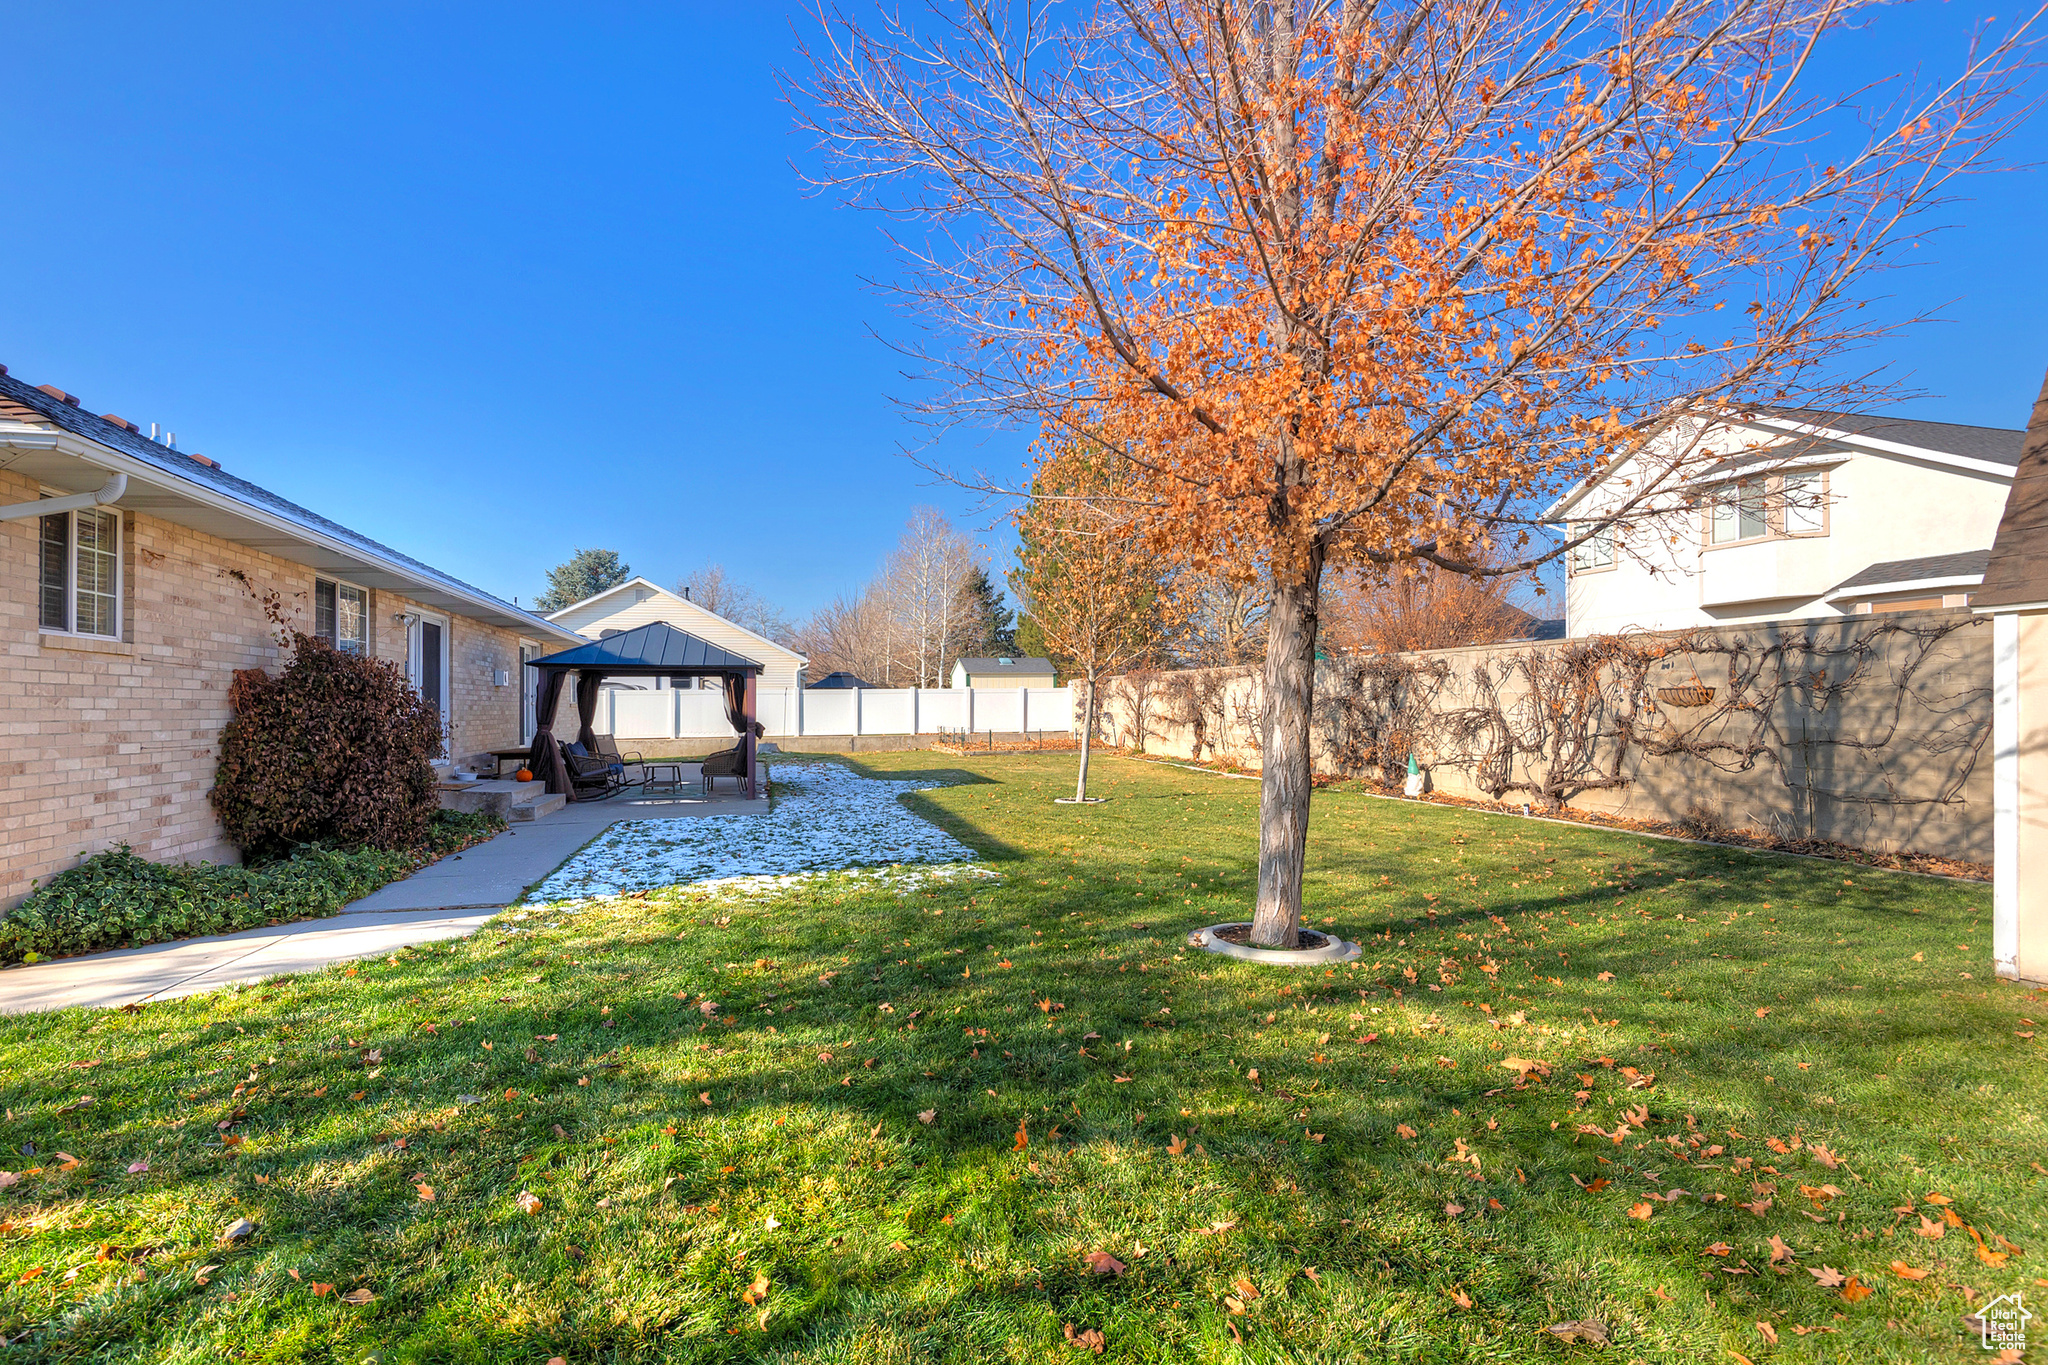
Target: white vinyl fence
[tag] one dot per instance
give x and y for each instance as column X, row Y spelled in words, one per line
column 687, row 713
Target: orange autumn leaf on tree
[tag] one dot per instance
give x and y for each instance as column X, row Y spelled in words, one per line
column 1375, row 288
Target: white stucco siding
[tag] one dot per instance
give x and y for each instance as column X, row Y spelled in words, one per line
column 1881, row 508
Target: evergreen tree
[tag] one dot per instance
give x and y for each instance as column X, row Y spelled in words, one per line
column 588, row 573
column 988, row 628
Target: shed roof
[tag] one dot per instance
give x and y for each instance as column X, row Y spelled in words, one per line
column 656, row 647
column 1014, row 664
column 2018, row 572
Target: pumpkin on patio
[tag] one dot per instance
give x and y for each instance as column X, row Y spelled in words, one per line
column 524, row 774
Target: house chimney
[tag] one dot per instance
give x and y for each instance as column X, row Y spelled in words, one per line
column 58, row 394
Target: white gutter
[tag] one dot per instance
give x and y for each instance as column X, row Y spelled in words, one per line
column 1926, row 454
column 1969, row 580
column 111, row 491
column 127, row 466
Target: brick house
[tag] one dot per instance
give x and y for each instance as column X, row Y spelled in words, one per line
column 126, row 609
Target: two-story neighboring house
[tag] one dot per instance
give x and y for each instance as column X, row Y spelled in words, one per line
column 1805, row 514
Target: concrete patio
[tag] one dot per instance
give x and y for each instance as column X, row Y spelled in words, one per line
column 449, row 899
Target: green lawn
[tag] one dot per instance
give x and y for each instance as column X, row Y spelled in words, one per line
column 909, row 1121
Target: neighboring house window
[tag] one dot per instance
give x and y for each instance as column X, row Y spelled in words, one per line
column 341, row 615
column 1595, row 552
column 1764, row 508
column 1737, row 513
column 81, row 573
column 1805, row 504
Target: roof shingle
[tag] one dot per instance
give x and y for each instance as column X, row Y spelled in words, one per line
column 2018, row 572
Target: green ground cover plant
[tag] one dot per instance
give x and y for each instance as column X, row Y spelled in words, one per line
column 117, row 899
column 1726, row 1106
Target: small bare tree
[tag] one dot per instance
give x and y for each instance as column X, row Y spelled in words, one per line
column 1092, row 588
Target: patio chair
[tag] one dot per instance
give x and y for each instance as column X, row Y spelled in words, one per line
column 608, row 750
column 593, row 776
column 726, row 763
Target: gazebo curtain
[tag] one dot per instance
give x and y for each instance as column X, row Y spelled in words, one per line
column 545, row 759
column 587, row 682
column 736, row 706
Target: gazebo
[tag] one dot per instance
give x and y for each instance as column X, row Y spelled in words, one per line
column 655, row 650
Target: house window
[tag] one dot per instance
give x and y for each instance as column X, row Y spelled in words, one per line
column 1805, row 504
column 341, row 615
column 80, row 576
column 1596, row 551
column 1765, row 508
column 1737, row 513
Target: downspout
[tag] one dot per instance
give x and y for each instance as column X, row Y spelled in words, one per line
column 111, row 491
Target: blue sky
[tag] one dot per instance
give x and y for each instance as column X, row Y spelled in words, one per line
column 494, row 282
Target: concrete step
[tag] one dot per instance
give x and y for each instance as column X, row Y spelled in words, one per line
column 537, row 807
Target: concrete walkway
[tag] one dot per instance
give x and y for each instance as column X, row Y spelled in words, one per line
column 450, row 899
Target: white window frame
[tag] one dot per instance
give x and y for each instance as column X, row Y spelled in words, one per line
column 529, row 689
column 443, row 703
column 338, row 584
column 1605, row 539
column 1777, row 525
column 70, row 627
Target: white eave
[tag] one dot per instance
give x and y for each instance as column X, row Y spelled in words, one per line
column 62, row 459
column 1950, row 583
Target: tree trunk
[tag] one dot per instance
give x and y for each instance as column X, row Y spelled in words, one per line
column 1087, row 733
column 1284, row 785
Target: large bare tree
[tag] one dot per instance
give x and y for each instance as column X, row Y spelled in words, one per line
column 1362, row 283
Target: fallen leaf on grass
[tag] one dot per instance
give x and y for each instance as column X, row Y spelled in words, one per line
column 1460, row 1297
column 1767, row 1332
column 1587, row 1332
column 1757, row 1206
column 1405, row 1131
column 528, row 1202
column 1176, row 1144
column 1716, row 1249
column 927, row 1115
column 1780, row 1253
column 1023, row 1141
column 358, row 1297
column 199, row 1276
column 1906, row 1272
column 1642, row 1210
column 136, row 1168
column 1088, row 1340
column 1102, row 1263
column 755, row 1292
column 1827, row 1276
column 321, row 1291
column 1931, row 1228
column 237, row 1230
column 1855, row 1291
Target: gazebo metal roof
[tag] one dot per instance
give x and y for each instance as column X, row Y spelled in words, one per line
column 656, row 647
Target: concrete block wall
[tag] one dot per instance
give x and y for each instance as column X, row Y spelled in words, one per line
column 1898, row 762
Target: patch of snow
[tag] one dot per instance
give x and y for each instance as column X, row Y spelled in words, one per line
column 826, row 819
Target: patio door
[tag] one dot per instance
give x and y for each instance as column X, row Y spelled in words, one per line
column 427, row 663
column 529, row 692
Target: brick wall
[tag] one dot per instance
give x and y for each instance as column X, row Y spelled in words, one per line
column 110, row 742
